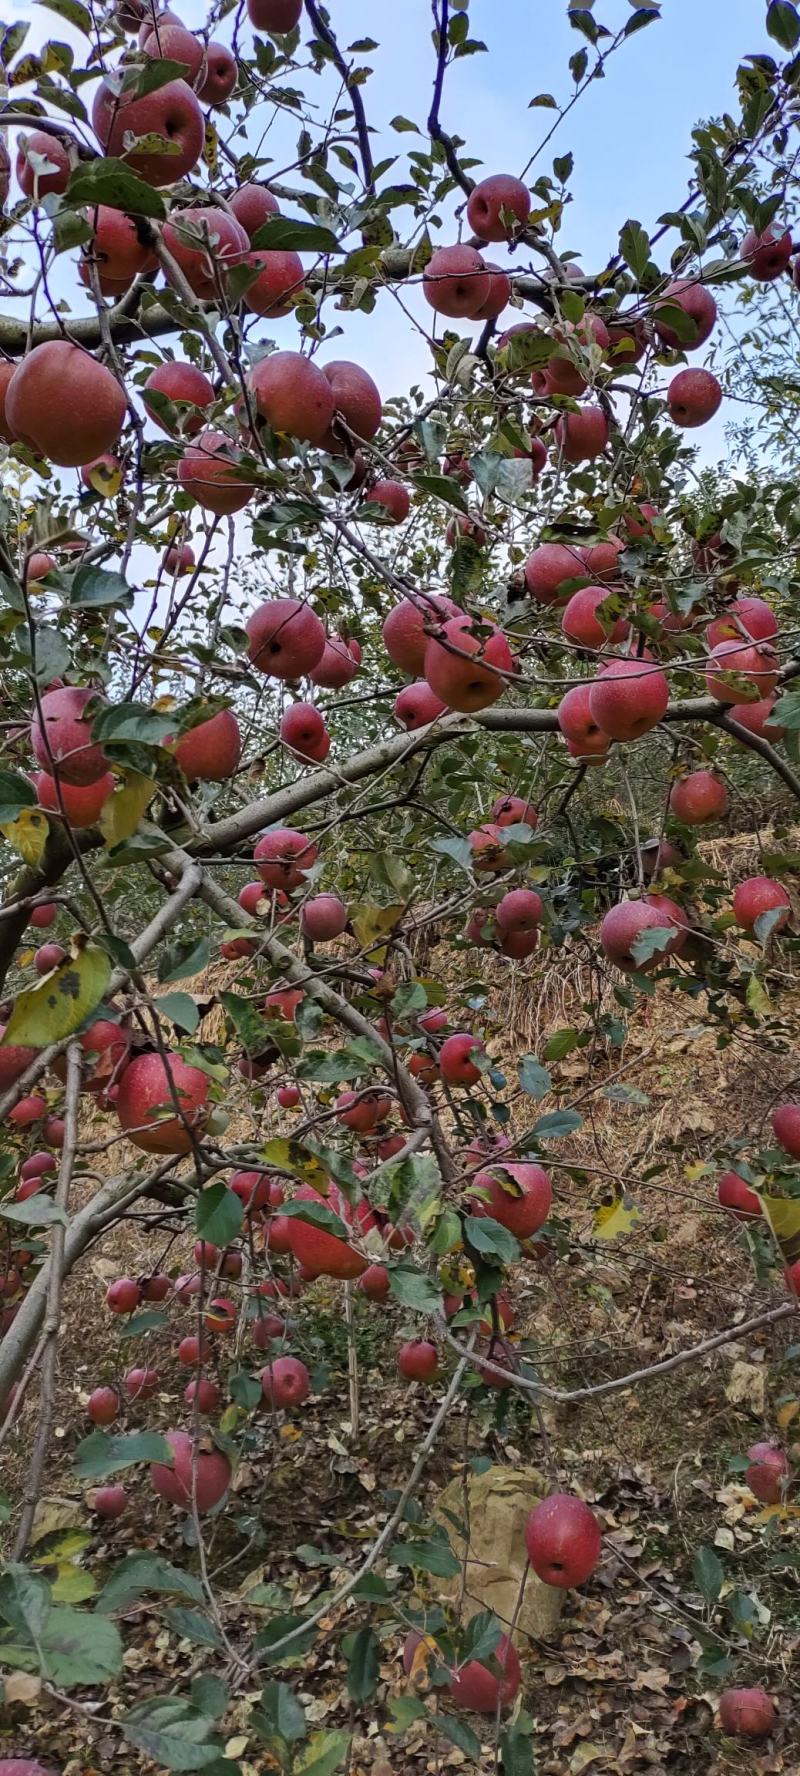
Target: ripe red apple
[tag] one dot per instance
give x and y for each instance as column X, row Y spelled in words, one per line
column 155, row 1287
column 768, row 1473
column 581, row 732
column 268, row 1327
column 475, row 1687
column 284, row 1002
column 693, row 397
column 753, row 662
column 582, row 435
column 209, row 1473
column 786, row 1128
column 734, row 1194
column 496, row 206
column 393, row 496
column 520, row 909
column 103, row 1405
column 622, row 925
column 283, row 855
column 463, row 662
column 699, row 798
column 62, row 734
column 43, row 915
column 747, row 1714
column 323, row 1253
column 13, row 1061
column 171, row 112
column 357, row 401
column 513, row 811
column 109, row 1501
column 500, row 292
column 563, row 1540
column 27, row 1111
column 193, row 1350
column 145, row 1104
column 64, row 404
column 40, row 145
column 251, row 205
column 517, row 1194
column 293, row 396
column 103, row 475
column 303, row 729
column 220, row 1316
column 205, row 1391
column 455, row 1058
column 362, row 1110
column 416, row 705
column 549, row 566
column 140, row 1384
column 463, row 526
column 489, row 851
column 120, row 250
column 628, row 698
column 275, row 15
column 406, row 629
column 455, row 282
column 38, row 1165
column 323, row 918
column 286, row 638
column 210, row 752
column 279, row 283
column 288, row 1096
column 339, row 663
column 168, row 39
column 745, row 616
column 375, row 1283
column 758, row 895
column 767, row 255
column 285, row 1382
column 47, row 957
column 210, row 470
column 220, row 76
column 641, row 525
column 186, row 387
column 757, row 718
column 697, row 302
column 179, row 559
column 418, row 1360
column 581, row 623
column 123, row 1296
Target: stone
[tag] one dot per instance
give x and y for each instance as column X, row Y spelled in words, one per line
column 499, row 1502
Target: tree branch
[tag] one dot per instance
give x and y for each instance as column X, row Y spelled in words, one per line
column 326, row 36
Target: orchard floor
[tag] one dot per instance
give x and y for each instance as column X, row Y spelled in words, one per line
column 620, row 1690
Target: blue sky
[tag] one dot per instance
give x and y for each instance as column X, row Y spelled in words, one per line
column 630, row 133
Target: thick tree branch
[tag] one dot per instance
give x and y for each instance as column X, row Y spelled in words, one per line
column 326, row 36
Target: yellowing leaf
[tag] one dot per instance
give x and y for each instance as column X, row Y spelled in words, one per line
column 370, row 923
column 104, row 478
column 783, row 1215
column 613, row 1219
column 758, row 999
column 73, row 1585
column 787, row 1413
column 210, row 153
column 58, row 1005
column 27, row 835
column 292, row 1156
column 124, row 809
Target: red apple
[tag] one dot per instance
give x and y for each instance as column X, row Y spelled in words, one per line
column 146, row 1106
column 206, row 1472
column 693, row 397
column 456, row 282
column 171, row 112
column 285, row 1382
column 747, row 1714
column 563, row 1540
column 768, row 1473
column 283, row 855
column 758, row 895
column 734, row 1194
column 64, row 404
column 286, row 638
column 418, row 1360
column 628, row 698
column 210, row 751
column 699, row 798
column 497, row 207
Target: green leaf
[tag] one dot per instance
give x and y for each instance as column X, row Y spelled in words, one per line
column 281, row 1626
column 172, row 1732
column 443, row 487
column 219, row 1214
column 490, row 1239
column 783, row 23
column 458, row 1733
column 324, row 1753
column 95, row 587
column 183, row 960
column 459, row 849
column 653, row 941
column 434, row 1556
column 36, row 1211
column 155, row 74
column 180, row 1009
column 414, row 1288
column 151, row 1320
column 72, row 1648
column 61, row 1002
column 16, row 793
column 534, row 1080
column 133, row 721
column 556, row 1124
column 194, row 1626
column 112, row 182
column 74, row 12
column 289, row 234
column 317, row 1214
column 363, row 1667
column 281, row 1709
column 52, row 655
column 210, row 1694
column 24, row 1600
column 561, row 1044
column 102, row 1453
column 140, row 1573
column 403, row 125
column 708, row 1574
column 247, row 1021
column 516, row 1747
